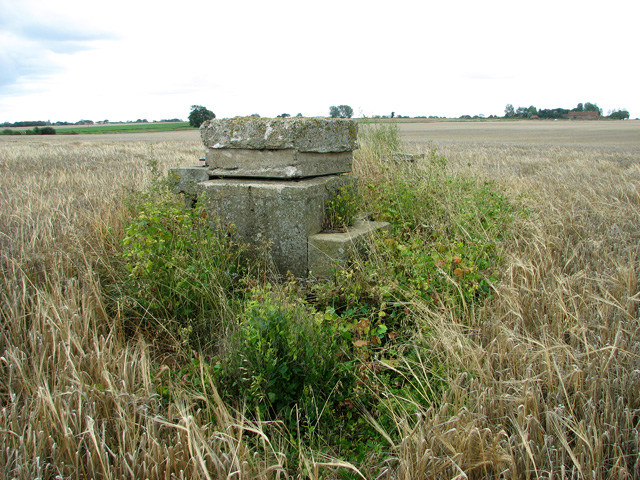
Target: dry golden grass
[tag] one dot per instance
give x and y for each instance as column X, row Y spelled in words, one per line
column 77, row 400
column 552, row 362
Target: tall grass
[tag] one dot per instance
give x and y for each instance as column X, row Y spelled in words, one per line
column 536, row 379
column 552, row 359
column 79, row 399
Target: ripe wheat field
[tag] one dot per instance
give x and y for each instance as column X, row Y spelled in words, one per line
column 552, row 359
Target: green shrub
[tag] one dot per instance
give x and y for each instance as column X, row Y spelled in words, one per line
column 282, row 356
column 442, row 247
column 184, row 268
column 47, row 131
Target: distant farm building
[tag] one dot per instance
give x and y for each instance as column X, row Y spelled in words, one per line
column 582, row 115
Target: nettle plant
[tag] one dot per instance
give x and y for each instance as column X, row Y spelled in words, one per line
column 342, row 209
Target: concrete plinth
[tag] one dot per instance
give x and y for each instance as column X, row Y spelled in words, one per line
column 272, row 178
column 282, row 214
column 330, row 251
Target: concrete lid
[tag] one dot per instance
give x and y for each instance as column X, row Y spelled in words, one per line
column 304, row 134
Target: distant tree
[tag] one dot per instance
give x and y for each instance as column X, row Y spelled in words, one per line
column 393, row 114
column 345, row 111
column 552, row 112
column 299, row 115
column 41, row 131
column 622, row 114
column 533, row 111
column 342, row 111
column 592, row 107
column 283, row 115
column 523, row 112
column 509, row 111
column 199, row 115
column 256, row 115
column 579, row 108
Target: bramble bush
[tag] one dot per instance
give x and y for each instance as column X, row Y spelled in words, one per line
column 184, row 267
column 441, row 248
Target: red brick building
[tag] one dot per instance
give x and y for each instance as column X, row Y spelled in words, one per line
column 580, row 115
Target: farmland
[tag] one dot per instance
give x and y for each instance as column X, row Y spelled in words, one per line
column 113, row 128
column 494, row 333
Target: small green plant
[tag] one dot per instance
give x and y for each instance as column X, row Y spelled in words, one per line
column 342, row 209
column 441, row 249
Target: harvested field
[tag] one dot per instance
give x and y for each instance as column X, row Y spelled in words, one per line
column 614, row 134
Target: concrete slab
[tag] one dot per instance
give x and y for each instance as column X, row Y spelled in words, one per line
column 186, row 178
column 317, row 134
column 330, row 251
column 285, row 164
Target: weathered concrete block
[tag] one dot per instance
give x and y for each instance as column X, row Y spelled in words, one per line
column 286, row 164
column 187, row 178
column 282, row 214
column 331, row 251
column 322, row 135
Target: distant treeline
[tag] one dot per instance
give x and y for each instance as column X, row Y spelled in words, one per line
column 533, row 112
column 42, row 123
column 36, row 131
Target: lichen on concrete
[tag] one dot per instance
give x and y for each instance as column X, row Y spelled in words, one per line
column 304, row 134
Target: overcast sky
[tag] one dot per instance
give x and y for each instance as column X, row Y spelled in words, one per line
column 67, row 60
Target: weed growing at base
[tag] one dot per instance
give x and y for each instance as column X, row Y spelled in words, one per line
column 342, row 209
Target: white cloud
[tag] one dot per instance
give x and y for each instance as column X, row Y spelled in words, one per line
column 125, row 60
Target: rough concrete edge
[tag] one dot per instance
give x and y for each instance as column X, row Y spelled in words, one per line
column 354, row 240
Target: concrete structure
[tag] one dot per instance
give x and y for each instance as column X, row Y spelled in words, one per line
column 272, row 178
column 282, row 214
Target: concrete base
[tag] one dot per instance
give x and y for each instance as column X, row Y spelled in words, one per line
column 281, row 214
column 331, row 251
